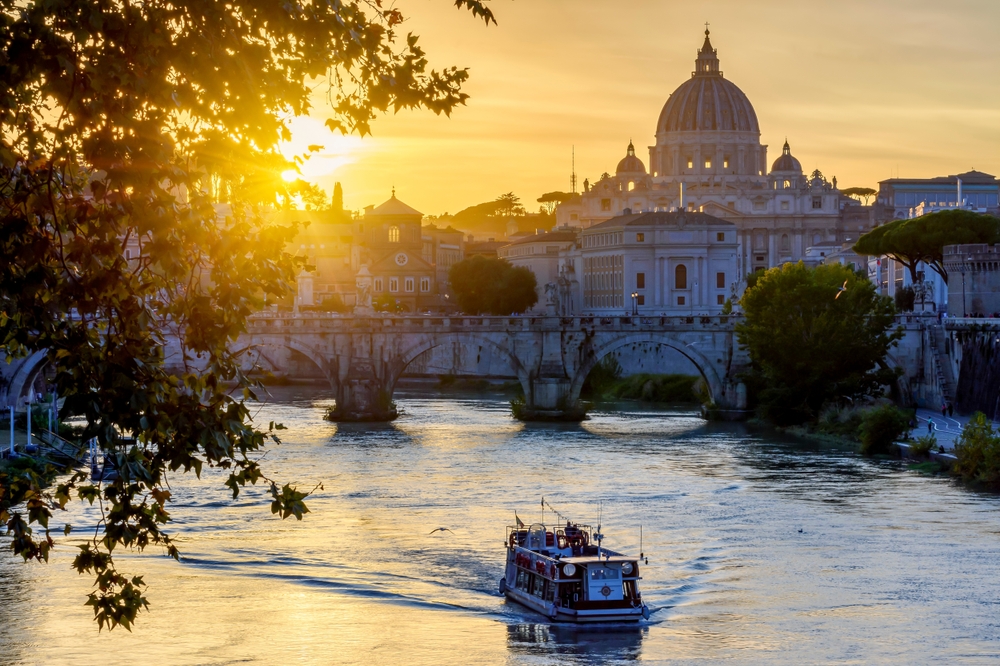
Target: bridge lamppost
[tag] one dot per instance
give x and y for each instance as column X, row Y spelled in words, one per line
column 635, row 303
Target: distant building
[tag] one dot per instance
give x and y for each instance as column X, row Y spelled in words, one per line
column 678, row 262
column 708, row 157
column 545, row 255
column 903, row 198
column 391, row 244
column 973, row 280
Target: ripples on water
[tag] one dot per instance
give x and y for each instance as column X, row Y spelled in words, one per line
column 760, row 550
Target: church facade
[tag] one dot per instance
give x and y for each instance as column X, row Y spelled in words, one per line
column 708, row 158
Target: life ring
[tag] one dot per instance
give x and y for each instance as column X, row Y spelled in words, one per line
column 540, row 567
column 513, row 539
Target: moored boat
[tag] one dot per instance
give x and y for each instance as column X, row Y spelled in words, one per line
column 563, row 572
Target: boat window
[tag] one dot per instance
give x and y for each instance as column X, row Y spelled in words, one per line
column 539, row 586
column 604, row 573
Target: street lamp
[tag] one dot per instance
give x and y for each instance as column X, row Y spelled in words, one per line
column 635, row 303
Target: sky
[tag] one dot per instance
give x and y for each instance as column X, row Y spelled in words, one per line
column 864, row 90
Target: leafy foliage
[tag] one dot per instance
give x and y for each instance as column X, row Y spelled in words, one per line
column 551, row 199
column 881, row 426
column 492, row 286
column 490, row 216
column 923, row 238
column 923, row 445
column 604, row 375
column 808, row 346
column 138, row 165
column 978, row 453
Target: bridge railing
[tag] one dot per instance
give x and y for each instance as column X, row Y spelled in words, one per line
column 333, row 322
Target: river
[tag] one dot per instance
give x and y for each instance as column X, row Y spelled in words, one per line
column 761, row 550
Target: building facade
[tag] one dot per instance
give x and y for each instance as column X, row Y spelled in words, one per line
column 658, row 262
column 708, row 157
column 903, row 198
column 550, row 257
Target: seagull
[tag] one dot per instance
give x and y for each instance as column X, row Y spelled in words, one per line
column 440, row 529
column 842, row 289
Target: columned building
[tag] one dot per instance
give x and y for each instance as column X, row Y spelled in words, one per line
column 708, row 157
column 672, row 262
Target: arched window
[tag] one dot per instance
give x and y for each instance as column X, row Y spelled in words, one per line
column 816, row 239
column 786, row 245
column 631, row 185
column 681, row 277
column 393, row 234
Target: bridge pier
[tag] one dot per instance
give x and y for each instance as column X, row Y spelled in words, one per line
column 362, row 396
column 551, row 399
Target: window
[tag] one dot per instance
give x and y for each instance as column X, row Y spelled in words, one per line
column 680, row 300
column 640, row 238
column 787, row 185
column 378, row 284
column 720, row 280
column 393, row 284
column 784, row 205
column 681, row 277
column 708, row 162
column 393, row 234
column 725, row 163
column 721, row 236
column 786, row 244
column 641, row 300
column 605, row 204
column 720, row 299
column 128, row 253
column 640, row 280
column 690, row 163
column 817, row 203
column 408, row 284
column 631, row 185
column 816, row 239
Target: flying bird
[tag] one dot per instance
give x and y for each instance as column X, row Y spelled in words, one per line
column 842, row 289
column 440, row 529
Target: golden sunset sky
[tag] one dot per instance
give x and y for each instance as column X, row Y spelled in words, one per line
column 863, row 89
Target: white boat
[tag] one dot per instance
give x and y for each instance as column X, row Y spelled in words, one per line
column 564, row 573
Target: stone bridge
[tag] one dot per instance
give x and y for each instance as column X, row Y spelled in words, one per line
column 364, row 357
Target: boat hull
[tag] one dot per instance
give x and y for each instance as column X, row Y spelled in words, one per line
column 570, row 615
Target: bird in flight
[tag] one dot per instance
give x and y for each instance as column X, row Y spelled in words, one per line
column 440, row 529
column 842, row 289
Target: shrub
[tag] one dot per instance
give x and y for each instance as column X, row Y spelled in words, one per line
column 840, row 422
column 978, row 453
column 923, row 445
column 602, row 378
column 656, row 388
column 881, row 426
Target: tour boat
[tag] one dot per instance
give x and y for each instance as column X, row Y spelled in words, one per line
column 565, row 573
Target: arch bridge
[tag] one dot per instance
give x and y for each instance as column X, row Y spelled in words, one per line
column 364, row 356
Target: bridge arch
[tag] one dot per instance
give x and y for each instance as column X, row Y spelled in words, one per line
column 399, row 364
column 704, row 366
column 319, row 359
column 21, row 375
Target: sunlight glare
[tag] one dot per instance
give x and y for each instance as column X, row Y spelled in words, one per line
column 333, row 150
column 290, row 175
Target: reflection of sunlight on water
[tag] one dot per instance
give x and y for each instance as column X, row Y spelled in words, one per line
column 760, row 549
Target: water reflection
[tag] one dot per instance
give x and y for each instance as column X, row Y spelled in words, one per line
column 572, row 644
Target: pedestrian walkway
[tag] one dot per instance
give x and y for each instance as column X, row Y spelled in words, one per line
column 946, row 428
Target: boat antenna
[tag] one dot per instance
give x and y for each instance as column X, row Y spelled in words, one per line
column 543, row 509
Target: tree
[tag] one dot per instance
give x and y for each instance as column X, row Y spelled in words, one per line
column 551, row 199
column 152, row 128
column 313, row 196
column 808, row 345
column 922, row 239
column 509, row 205
column 338, row 197
column 865, row 193
column 492, row 286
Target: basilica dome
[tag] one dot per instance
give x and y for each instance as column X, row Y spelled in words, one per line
column 707, row 101
column 786, row 162
column 630, row 163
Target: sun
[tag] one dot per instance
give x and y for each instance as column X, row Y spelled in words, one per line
column 322, row 151
column 290, row 176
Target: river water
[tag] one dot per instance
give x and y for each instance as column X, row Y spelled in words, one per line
column 760, row 550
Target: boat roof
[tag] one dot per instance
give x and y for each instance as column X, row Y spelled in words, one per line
column 594, row 559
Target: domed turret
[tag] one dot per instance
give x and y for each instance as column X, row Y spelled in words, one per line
column 631, row 164
column 786, row 163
